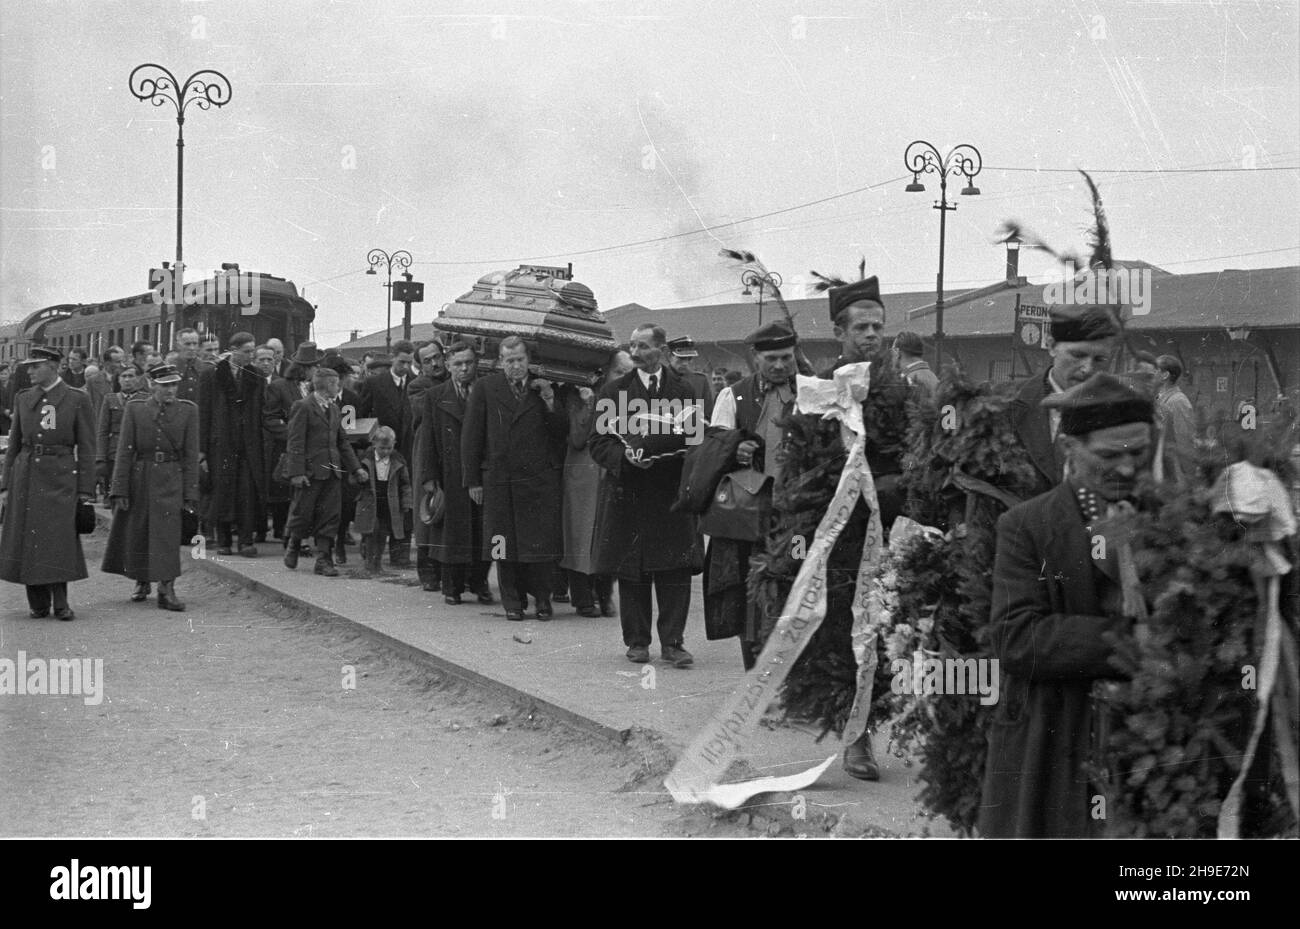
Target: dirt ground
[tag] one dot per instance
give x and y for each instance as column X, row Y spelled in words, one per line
column 234, row 719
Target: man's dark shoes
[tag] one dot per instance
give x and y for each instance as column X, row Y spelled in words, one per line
column 860, row 761
column 248, row 551
column 39, row 614
column 65, row 613
column 325, row 567
column 640, row 654
column 451, row 600
column 431, row 586
column 291, row 555
column 141, row 593
column 677, row 656
column 515, row 616
column 544, row 614
column 588, row 610
column 485, row 596
column 168, row 601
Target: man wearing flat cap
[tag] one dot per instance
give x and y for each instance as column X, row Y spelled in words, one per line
column 1061, row 591
column 155, row 479
column 48, row 470
column 681, row 355
column 755, row 406
column 1083, row 340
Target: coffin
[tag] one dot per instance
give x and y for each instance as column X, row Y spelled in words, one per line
column 568, row 339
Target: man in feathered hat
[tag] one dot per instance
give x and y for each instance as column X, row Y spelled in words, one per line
column 1063, row 587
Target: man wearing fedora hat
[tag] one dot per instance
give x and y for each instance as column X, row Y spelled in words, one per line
column 279, row 396
column 48, row 471
column 155, row 479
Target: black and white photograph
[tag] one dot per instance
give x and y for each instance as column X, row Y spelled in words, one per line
column 637, row 419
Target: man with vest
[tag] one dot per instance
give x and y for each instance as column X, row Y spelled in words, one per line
column 755, row 405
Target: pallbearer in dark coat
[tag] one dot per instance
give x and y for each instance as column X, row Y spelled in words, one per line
column 155, row 478
column 512, row 452
column 319, row 459
column 230, row 430
column 640, row 540
column 1058, row 604
column 48, row 470
column 457, row 542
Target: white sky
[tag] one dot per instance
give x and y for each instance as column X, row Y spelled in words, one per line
column 486, row 133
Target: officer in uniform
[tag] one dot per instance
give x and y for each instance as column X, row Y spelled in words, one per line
column 155, row 479
column 49, row 467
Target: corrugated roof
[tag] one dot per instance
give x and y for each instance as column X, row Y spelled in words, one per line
column 1261, row 298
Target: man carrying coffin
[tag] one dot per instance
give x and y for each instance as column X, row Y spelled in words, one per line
column 1059, row 600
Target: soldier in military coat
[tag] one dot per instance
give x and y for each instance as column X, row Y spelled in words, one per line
column 48, row 470
column 155, row 478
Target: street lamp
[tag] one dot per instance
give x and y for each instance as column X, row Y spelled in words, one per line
column 205, row 89
column 400, row 259
column 762, row 280
column 923, row 158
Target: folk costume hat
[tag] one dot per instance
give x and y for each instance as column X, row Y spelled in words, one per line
column 1100, row 402
column 683, row 347
column 842, row 293
column 164, row 374
column 39, row 353
column 307, row 354
column 772, row 337
column 1082, row 324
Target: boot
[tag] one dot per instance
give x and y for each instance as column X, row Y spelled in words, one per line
column 291, row 552
column 341, row 550
column 142, row 591
column 860, row 760
column 167, row 597
column 325, row 564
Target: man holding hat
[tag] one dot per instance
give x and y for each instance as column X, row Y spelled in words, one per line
column 1059, row 599
column 754, row 405
column 49, row 469
column 681, row 352
column 1083, row 340
column 319, row 457
column 155, row 478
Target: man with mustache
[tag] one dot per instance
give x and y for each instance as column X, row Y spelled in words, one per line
column 1058, row 605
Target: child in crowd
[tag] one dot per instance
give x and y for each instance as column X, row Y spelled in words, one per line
column 383, row 499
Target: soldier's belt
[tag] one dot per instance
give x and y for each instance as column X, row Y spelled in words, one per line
column 160, row 457
column 42, row 449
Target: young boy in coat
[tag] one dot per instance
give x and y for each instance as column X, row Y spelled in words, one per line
column 384, row 499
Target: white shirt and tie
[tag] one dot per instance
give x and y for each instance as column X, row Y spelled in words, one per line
column 653, row 383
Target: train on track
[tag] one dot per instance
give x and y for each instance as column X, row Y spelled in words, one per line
column 228, row 301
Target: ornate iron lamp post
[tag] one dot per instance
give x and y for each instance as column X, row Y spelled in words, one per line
column 923, row 158
column 401, row 259
column 205, row 89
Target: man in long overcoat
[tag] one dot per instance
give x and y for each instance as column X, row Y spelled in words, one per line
column 230, row 429
column 1057, row 606
column 640, row 540
column 384, row 396
column 49, row 468
column 457, row 542
column 512, row 453
column 433, row 374
column 319, row 458
column 155, row 478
